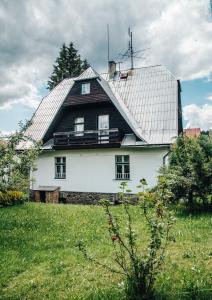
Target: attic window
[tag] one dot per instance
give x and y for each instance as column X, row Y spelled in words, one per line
column 85, row 88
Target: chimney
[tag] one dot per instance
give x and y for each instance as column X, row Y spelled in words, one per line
column 111, row 69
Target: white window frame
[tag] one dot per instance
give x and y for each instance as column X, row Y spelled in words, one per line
column 103, row 131
column 122, row 161
column 79, row 122
column 60, row 162
column 85, row 88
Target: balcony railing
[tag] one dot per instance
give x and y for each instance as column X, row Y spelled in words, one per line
column 88, row 137
column 123, row 176
column 60, row 176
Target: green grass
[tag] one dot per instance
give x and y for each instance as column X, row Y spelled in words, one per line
column 39, row 258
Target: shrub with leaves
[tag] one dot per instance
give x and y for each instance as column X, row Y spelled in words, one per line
column 17, row 156
column 11, row 198
column 138, row 266
column 188, row 174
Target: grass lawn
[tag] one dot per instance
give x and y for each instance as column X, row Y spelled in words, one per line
column 39, row 258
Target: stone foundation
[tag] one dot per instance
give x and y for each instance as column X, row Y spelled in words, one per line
column 86, row 197
column 78, row 197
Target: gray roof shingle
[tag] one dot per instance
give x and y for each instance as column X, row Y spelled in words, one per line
column 147, row 99
column 48, row 108
column 151, row 95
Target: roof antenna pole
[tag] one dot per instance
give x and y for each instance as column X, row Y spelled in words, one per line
column 130, row 53
column 131, row 47
column 108, row 44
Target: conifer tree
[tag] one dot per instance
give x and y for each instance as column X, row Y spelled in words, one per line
column 68, row 64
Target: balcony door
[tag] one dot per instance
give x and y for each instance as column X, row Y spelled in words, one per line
column 103, row 129
column 79, row 126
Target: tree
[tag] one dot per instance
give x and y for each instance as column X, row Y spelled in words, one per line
column 189, row 172
column 68, row 64
column 15, row 165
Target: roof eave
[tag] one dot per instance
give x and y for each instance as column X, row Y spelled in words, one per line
column 147, row 146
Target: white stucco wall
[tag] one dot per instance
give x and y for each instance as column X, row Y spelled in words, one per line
column 94, row 170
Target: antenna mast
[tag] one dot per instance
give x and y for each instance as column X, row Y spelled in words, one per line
column 131, row 48
column 108, row 44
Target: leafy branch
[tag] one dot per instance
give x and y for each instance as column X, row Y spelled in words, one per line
column 139, row 267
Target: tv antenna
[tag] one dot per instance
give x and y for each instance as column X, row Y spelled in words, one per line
column 130, row 53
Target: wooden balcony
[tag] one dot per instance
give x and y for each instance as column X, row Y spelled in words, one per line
column 88, row 139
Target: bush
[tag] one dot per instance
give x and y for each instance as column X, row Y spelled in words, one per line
column 15, row 165
column 188, row 175
column 2, row 198
column 11, row 198
column 139, row 267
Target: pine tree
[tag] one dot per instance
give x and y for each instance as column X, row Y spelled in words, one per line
column 68, row 64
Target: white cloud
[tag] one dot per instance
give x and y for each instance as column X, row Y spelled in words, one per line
column 181, row 38
column 178, row 32
column 198, row 116
column 209, row 97
column 6, row 133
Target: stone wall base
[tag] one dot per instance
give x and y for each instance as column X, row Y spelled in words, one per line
column 83, row 198
column 87, row 197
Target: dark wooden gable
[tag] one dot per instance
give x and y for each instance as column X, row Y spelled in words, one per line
column 96, row 95
column 90, row 114
column 89, row 106
column 64, row 121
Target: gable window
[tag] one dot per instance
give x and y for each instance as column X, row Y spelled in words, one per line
column 122, row 167
column 79, row 126
column 60, row 167
column 85, row 89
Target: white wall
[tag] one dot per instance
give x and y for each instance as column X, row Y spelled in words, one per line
column 94, row 170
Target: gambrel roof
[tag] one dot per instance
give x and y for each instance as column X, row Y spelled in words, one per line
column 151, row 95
column 89, row 73
column 47, row 110
column 147, row 98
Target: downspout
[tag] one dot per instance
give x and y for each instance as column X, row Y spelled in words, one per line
column 165, row 156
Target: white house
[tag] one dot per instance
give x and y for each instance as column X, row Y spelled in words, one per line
column 98, row 130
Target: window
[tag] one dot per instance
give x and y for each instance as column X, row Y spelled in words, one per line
column 79, row 126
column 103, row 122
column 60, row 167
column 85, row 88
column 103, row 126
column 122, row 167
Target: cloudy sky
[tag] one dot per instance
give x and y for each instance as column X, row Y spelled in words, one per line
column 178, row 34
